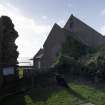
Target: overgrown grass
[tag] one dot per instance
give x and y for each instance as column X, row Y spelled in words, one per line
column 79, row 94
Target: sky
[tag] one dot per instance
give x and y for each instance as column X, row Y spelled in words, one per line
column 33, row 19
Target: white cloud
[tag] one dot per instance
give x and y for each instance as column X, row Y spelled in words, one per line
column 102, row 30
column 70, row 5
column 31, row 34
column 102, row 13
column 44, row 17
column 61, row 22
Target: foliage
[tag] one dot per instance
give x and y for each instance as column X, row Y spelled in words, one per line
column 58, row 96
column 79, row 59
column 68, row 60
column 74, row 48
column 9, row 35
column 96, row 64
column 68, row 64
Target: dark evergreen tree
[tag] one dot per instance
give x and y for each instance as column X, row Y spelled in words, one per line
column 9, row 48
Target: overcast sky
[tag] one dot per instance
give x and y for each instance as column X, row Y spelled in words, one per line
column 34, row 19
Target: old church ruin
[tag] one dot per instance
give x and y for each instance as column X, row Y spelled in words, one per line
column 75, row 28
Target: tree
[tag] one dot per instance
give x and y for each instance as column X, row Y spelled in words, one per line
column 9, row 49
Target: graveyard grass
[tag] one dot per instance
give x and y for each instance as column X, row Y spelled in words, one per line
column 59, row 96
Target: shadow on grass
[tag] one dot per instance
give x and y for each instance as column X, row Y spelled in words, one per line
column 13, row 100
column 15, row 96
column 74, row 93
column 38, row 94
column 42, row 93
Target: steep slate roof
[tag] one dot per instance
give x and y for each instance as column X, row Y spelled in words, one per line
column 82, row 31
column 52, row 34
column 85, row 33
column 74, row 28
column 39, row 54
column 72, row 19
column 67, row 26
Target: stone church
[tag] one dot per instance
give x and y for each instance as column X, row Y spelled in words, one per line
column 74, row 27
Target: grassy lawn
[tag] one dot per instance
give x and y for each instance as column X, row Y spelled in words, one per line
column 79, row 94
